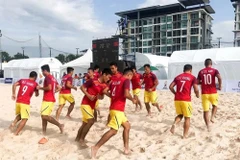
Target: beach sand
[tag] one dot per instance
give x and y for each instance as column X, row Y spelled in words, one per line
column 150, row 138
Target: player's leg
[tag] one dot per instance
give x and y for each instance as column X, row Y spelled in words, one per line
column 44, row 126
column 214, row 101
column 62, row 102
column 177, row 120
column 71, row 100
column 126, row 131
column 146, row 101
column 25, row 114
column 206, row 104
column 21, row 126
column 17, row 118
column 85, row 130
column 50, row 119
column 135, row 97
column 102, row 141
column 186, row 127
column 154, row 100
column 80, row 131
column 214, row 112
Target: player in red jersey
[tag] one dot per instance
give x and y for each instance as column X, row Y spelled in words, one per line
column 115, row 73
column 136, row 87
column 25, row 92
column 119, row 92
column 150, row 95
column 206, row 78
column 49, row 88
column 93, row 90
column 96, row 74
column 184, row 82
column 65, row 93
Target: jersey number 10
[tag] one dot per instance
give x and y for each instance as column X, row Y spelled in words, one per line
column 207, row 79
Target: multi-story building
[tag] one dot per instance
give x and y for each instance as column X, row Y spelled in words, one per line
column 236, row 5
column 163, row 29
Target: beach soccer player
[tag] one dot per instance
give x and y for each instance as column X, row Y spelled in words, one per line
column 184, row 82
column 119, row 92
column 96, row 75
column 65, row 93
column 25, row 92
column 50, row 86
column 136, row 87
column 150, row 95
column 206, row 78
column 93, row 90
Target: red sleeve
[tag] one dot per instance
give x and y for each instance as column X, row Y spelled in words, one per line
column 47, row 81
column 70, row 79
column 141, row 76
column 194, row 81
column 88, row 83
column 19, row 81
column 154, row 77
column 217, row 72
column 199, row 76
column 175, row 80
column 126, row 84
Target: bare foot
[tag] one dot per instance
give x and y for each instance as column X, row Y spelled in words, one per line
column 172, row 130
column 160, row 108
column 149, row 114
column 212, row 120
column 83, row 144
column 11, row 127
column 209, row 128
column 127, row 151
column 93, row 152
column 185, row 137
column 61, row 128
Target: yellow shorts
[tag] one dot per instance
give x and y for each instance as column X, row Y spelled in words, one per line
column 117, row 118
column 87, row 113
column 65, row 97
column 23, row 110
column 150, row 97
column 183, row 108
column 208, row 99
column 47, row 108
column 97, row 104
column 136, row 92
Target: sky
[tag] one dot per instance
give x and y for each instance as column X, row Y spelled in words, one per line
column 69, row 24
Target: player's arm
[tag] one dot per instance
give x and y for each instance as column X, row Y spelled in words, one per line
column 127, row 93
column 48, row 85
column 199, row 81
column 219, row 81
column 69, row 85
column 155, row 83
column 84, row 89
column 171, row 87
column 36, row 91
column 106, row 91
column 14, row 87
column 58, row 88
column 196, row 90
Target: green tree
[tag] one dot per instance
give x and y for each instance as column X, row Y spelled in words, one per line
column 61, row 58
column 6, row 57
column 20, row 56
column 71, row 57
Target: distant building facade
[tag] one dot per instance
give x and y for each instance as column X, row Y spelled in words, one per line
column 236, row 5
column 161, row 30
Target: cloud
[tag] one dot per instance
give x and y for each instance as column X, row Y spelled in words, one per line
column 148, row 3
column 225, row 30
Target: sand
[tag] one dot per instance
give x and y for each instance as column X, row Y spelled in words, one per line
column 149, row 137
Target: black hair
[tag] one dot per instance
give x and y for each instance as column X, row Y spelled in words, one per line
column 187, row 67
column 70, row 69
column 146, row 65
column 134, row 68
column 96, row 67
column 33, row 74
column 45, row 68
column 90, row 69
column 127, row 70
column 113, row 64
column 208, row 62
column 106, row 71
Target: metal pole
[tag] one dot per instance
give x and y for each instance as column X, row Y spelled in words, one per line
column 23, row 51
column 50, row 52
column 40, row 46
column 1, row 49
column 219, row 42
column 77, row 50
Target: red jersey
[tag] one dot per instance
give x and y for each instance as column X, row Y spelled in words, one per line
column 65, row 89
column 96, row 75
column 94, row 87
column 26, row 90
column 117, row 88
column 136, row 81
column 184, row 83
column 149, row 80
column 207, row 79
column 49, row 96
column 116, row 76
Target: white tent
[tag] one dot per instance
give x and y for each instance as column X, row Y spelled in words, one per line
column 21, row 68
column 226, row 60
column 80, row 65
column 160, row 62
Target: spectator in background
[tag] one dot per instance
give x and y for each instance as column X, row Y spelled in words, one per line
column 76, row 80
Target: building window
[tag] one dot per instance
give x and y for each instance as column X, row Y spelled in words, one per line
column 164, row 49
column 132, row 23
column 176, row 25
column 169, row 34
column 194, row 31
column 195, row 15
column 193, row 46
column 169, row 41
column 169, row 26
column 163, row 41
column 147, row 29
column 176, row 40
column 163, row 27
column 149, row 22
column 144, row 43
column 195, row 23
column 184, row 16
column 184, row 32
column 184, row 24
column 144, row 22
column 149, row 43
column 132, row 50
column 163, row 19
column 132, row 31
column 184, row 47
column 169, row 18
column 149, row 50
column 194, row 39
column 177, row 33
column 132, row 44
column 184, row 40
column 147, row 36
column 169, row 48
column 145, row 50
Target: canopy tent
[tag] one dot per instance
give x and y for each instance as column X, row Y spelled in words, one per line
column 226, row 60
column 21, row 68
column 80, row 65
column 160, row 62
